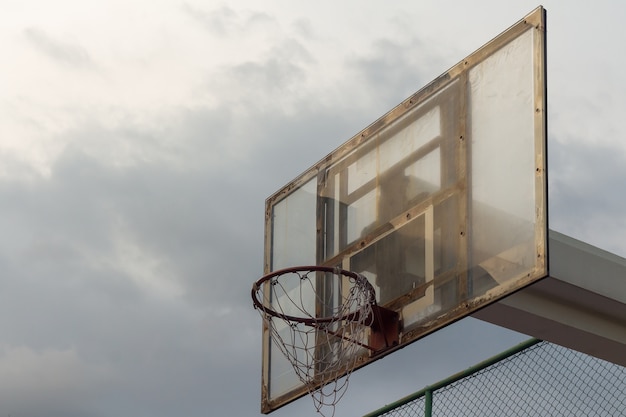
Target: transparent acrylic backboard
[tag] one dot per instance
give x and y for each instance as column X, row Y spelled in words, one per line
column 441, row 203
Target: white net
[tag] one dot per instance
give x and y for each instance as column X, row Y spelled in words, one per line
column 320, row 321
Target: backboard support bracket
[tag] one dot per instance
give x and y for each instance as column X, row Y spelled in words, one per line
column 385, row 329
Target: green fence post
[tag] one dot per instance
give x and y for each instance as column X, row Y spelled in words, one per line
column 428, row 403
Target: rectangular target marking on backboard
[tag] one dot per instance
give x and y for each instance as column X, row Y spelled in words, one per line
column 441, row 203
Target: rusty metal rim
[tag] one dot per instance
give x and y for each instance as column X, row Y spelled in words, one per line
column 310, row 268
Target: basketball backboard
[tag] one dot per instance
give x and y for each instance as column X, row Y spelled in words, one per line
column 440, row 203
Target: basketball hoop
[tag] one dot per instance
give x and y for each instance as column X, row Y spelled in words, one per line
column 324, row 320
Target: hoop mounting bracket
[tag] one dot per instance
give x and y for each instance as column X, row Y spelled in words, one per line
column 385, row 329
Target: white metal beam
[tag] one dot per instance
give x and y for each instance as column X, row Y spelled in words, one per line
column 580, row 305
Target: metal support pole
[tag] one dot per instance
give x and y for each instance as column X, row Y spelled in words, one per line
column 428, row 403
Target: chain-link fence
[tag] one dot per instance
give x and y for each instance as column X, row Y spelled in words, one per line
column 535, row 378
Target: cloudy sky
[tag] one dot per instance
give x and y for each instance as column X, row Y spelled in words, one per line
column 139, row 140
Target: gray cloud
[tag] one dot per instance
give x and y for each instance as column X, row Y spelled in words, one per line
column 272, row 83
column 218, row 21
column 304, row 28
column 586, row 180
column 66, row 294
column 225, row 21
column 67, row 53
column 396, row 68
